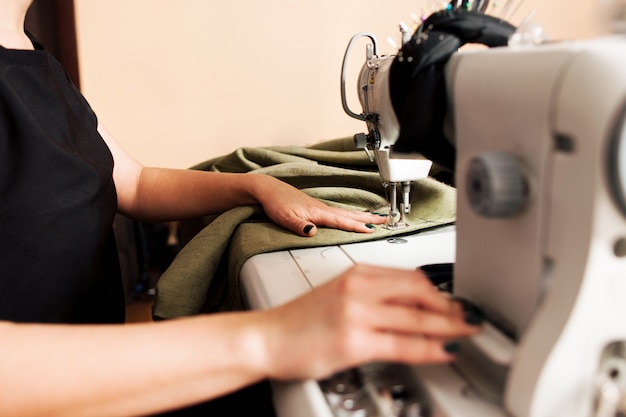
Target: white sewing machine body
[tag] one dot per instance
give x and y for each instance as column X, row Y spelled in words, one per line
column 551, row 272
column 545, row 261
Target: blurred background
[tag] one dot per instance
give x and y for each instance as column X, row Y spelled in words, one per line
column 179, row 82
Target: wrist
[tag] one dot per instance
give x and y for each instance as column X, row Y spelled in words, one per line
column 257, row 343
column 260, row 186
column 238, row 340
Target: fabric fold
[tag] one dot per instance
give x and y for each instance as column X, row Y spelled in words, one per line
column 204, row 277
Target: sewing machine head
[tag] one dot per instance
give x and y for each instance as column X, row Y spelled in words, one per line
column 536, row 135
column 393, row 89
column 397, row 171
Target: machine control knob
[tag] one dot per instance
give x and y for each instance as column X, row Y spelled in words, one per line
column 360, row 140
column 367, row 140
column 617, row 163
column 495, row 185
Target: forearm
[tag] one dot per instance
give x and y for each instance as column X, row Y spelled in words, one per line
column 171, row 194
column 366, row 314
column 125, row 370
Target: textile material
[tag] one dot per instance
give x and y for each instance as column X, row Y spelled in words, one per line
column 204, row 277
column 58, row 260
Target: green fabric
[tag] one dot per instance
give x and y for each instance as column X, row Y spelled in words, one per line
column 204, row 275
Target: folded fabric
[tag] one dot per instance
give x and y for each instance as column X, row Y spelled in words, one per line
column 204, row 277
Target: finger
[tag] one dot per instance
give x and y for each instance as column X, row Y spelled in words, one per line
column 377, row 284
column 306, row 225
column 359, row 216
column 302, row 228
column 366, row 217
column 413, row 320
column 293, row 221
column 309, row 228
column 417, row 350
column 349, row 224
column 397, row 347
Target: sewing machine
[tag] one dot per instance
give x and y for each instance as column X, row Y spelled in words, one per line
column 396, row 170
column 539, row 131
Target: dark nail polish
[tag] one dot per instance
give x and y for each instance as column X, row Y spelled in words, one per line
column 452, row 348
column 471, row 314
column 369, row 226
column 308, row 228
column 473, row 319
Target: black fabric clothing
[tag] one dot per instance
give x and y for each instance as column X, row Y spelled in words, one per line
column 254, row 400
column 58, row 260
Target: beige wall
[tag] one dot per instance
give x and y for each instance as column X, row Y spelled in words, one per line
column 180, row 81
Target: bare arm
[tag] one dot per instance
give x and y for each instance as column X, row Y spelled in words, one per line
column 170, row 194
column 366, row 314
column 118, row 370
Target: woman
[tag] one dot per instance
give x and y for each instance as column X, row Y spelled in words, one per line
column 62, row 177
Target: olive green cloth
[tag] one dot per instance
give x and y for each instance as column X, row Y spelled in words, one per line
column 204, row 277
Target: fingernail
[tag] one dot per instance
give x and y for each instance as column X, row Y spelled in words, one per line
column 471, row 314
column 369, row 226
column 452, row 347
column 308, row 228
column 473, row 319
column 380, row 214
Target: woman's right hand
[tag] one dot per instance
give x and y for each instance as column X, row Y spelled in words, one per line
column 366, row 314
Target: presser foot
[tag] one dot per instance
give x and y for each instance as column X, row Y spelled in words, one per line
column 397, row 215
column 396, row 219
column 396, row 226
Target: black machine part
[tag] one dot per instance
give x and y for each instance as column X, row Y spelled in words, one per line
column 417, row 78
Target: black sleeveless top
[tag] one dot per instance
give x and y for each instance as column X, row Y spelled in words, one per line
column 58, row 259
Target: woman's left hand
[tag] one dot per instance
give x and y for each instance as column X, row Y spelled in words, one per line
column 296, row 211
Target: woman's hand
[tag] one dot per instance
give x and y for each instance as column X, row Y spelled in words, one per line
column 296, row 211
column 366, row 314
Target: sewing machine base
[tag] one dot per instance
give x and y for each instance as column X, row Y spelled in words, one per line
column 375, row 389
